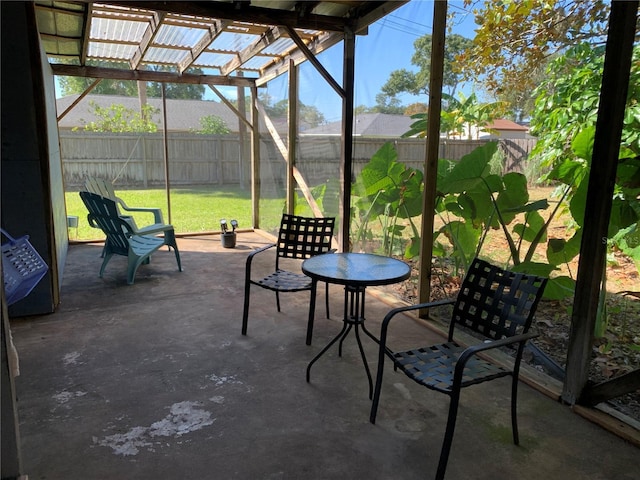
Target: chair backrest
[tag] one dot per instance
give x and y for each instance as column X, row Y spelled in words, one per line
column 496, row 303
column 103, row 214
column 303, row 237
column 101, row 187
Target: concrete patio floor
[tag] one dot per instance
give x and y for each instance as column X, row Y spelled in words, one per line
column 155, row 381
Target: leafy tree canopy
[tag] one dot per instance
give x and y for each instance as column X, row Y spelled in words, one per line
column 117, row 118
column 212, row 125
column 388, row 104
column 564, row 120
column 460, row 117
column 417, row 83
column 308, row 113
column 515, row 39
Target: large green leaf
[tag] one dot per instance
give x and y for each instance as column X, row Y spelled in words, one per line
column 628, row 240
column 561, row 251
column 622, row 215
column 378, row 173
column 534, row 268
column 411, row 194
column 514, row 196
column 529, row 230
column 470, row 170
column 464, row 238
column 582, row 144
column 559, row 288
column 578, row 202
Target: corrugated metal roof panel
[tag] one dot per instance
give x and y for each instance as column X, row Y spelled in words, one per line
column 210, row 59
column 178, row 36
column 111, row 51
column 117, row 30
column 164, row 55
column 255, row 63
column 281, row 45
column 233, row 42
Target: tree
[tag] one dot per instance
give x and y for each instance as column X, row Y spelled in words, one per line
column 564, row 121
column 308, row 113
column 466, row 116
column 117, row 118
column 417, row 107
column 417, row 83
column 212, row 125
column 388, row 104
column 311, row 115
column 459, row 116
column 360, row 109
column 515, row 39
column 77, row 85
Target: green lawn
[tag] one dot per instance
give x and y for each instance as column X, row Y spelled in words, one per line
column 193, row 209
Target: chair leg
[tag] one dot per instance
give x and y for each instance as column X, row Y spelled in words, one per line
column 377, row 388
column 312, row 311
column 107, row 257
column 514, row 413
column 448, row 435
column 278, row 300
column 245, row 311
column 326, row 298
column 170, row 242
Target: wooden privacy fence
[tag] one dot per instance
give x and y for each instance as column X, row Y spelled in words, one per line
column 137, row 160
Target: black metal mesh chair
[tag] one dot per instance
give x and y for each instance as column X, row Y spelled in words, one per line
column 298, row 238
column 495, row 304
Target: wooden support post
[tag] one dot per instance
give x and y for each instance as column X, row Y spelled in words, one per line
column 346, row 160
column 165, row 143
column 431, row 155
column 293, row 124
column 255, row 159
column 606, row 147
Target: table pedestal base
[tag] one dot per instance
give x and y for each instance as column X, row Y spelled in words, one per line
column 353, row 319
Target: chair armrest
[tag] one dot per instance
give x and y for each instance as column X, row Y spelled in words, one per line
column 395, row 311
column 128, row 230
column 481, row 347
column 260, row 250
column 250, row 259
column 157, row 212
column 392, row 313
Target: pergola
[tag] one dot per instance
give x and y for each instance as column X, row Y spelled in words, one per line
column 240, row 44
column 248, row 43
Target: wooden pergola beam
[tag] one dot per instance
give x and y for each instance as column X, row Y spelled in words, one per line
column 243, row 13
column 150, row 76
column 266, row 39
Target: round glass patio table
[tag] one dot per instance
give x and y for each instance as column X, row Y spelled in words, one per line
column 356, row 271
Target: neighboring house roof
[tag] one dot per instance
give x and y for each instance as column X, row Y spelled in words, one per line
column 182, row 115
column 368, row 125
column 504, row 124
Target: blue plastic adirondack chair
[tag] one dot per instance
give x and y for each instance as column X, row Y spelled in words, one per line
column 104, row 188
column 121, row 237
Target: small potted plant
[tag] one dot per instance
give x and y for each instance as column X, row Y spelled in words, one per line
column 227, row 237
